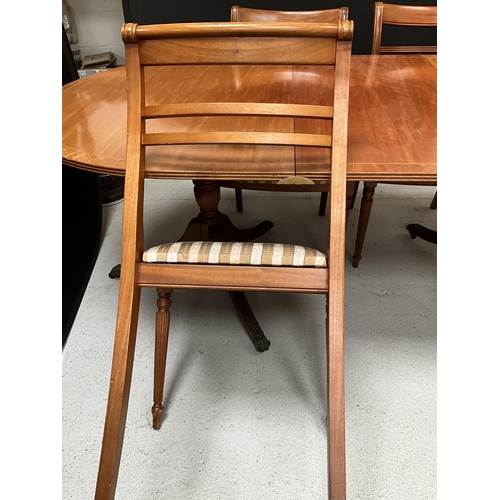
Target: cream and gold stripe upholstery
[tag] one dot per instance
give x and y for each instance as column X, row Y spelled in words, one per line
column 237, row 254
column 275, row 182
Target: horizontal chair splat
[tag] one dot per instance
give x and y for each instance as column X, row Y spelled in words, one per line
column 251, row 278
column 237, row 108
column 276, row 139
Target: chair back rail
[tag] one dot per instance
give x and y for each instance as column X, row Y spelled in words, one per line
column 235, row 50
column 132, row 32
column 242, row 43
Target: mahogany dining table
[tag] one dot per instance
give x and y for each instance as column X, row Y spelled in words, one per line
column 392, row 131
column 392, row 120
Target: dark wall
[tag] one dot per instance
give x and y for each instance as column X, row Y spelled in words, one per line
column 360, row 11
column 81, row 221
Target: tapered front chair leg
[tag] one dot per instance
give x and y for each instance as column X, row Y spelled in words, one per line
column 161, row 342
column 119, row 390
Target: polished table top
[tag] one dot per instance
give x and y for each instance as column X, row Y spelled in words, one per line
column 392, row 120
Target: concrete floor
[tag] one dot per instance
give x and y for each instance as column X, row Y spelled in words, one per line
column 246, row 425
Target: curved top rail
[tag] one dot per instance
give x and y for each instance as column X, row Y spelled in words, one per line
column 133, row 32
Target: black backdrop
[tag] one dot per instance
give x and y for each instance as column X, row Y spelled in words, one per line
column 360, row 11
column 81, row 221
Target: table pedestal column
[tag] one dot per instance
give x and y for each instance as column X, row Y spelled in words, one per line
column 212, row 225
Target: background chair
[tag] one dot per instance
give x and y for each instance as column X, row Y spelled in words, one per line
column 396, row 15
column 228, row 266
column 244, row 14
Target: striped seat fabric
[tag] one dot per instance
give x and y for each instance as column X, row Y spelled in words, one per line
column 235, row 253
column 275, row 182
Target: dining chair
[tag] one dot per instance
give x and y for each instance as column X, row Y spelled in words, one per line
column 250, row 15
column 396, row 15
column 231, row 265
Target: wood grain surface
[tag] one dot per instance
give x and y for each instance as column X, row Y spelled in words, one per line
column 392, row 120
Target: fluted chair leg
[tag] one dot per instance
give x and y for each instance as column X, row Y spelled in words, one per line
column 161, row 341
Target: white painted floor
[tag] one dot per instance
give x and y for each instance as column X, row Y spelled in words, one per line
column 246, row 425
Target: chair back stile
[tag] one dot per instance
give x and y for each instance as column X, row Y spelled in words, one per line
column 133, row 216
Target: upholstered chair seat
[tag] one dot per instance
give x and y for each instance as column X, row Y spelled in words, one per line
column 235, row 253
